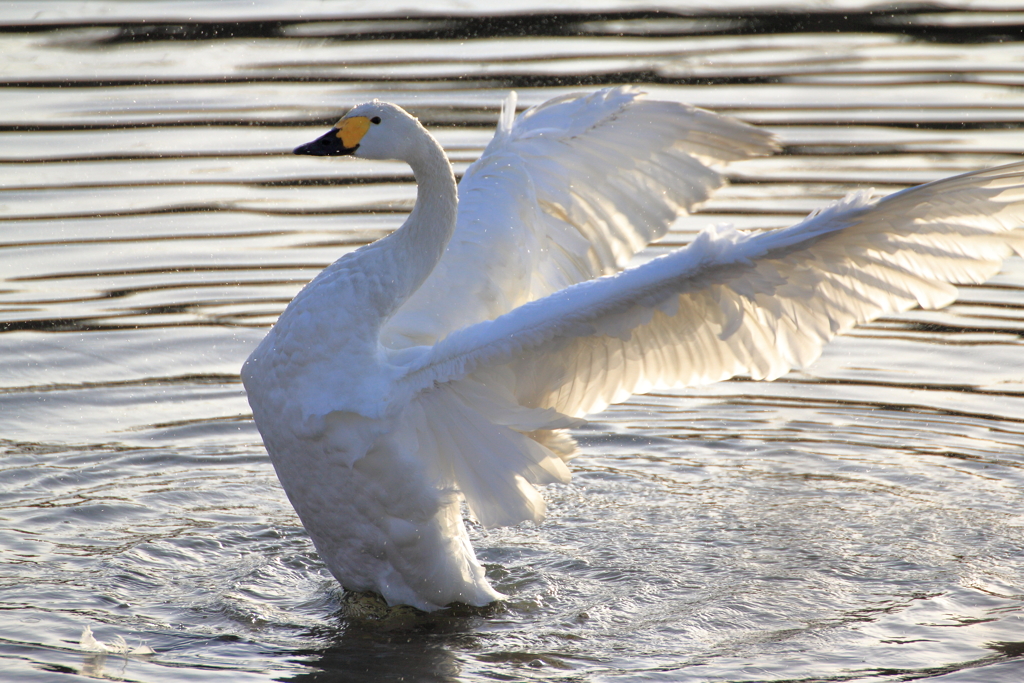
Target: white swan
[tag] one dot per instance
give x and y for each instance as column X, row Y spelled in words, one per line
column 441, row 363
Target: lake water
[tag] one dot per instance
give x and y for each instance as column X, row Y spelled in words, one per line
column 859, row 521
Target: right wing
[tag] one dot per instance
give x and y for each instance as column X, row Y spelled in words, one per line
column 567, row 192
column 733, row 303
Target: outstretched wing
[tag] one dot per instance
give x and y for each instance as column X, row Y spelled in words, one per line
column 733, row 303
column 568, row 192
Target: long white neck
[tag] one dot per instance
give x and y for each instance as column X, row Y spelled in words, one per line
column 410, row 253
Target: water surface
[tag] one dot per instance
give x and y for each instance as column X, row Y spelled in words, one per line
column 860, row 520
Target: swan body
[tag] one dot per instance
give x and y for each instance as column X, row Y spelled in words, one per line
column 442, row 364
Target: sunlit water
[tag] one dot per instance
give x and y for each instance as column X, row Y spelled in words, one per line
column 861, row 520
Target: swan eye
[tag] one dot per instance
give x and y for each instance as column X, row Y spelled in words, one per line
column 375, row 119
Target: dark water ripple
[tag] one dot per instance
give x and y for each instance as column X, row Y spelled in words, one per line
column 857, row 521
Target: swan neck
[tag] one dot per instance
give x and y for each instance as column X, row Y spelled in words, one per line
column 422, row 239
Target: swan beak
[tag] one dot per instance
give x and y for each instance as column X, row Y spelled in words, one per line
column 341, row 140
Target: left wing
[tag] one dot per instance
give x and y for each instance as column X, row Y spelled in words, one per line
column 732, row 303
column 567, row 192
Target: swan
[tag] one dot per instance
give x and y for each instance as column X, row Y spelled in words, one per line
column 443, row 364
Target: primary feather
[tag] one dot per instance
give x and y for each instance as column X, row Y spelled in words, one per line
column 443, row 363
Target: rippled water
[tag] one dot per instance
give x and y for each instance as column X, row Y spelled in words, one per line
column 861, row 520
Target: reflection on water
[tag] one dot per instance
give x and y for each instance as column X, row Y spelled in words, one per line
column 860, row 520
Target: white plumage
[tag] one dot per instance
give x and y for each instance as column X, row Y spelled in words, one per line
column 442, row 363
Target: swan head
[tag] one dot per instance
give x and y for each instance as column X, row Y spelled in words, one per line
column 374, row 130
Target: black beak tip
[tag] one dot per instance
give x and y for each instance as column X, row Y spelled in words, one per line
column 327, row 145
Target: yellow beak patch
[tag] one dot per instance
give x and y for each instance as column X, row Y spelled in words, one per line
column 352, row 130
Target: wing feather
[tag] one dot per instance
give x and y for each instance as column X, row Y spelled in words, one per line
column 733, row 303
column 567, row 192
